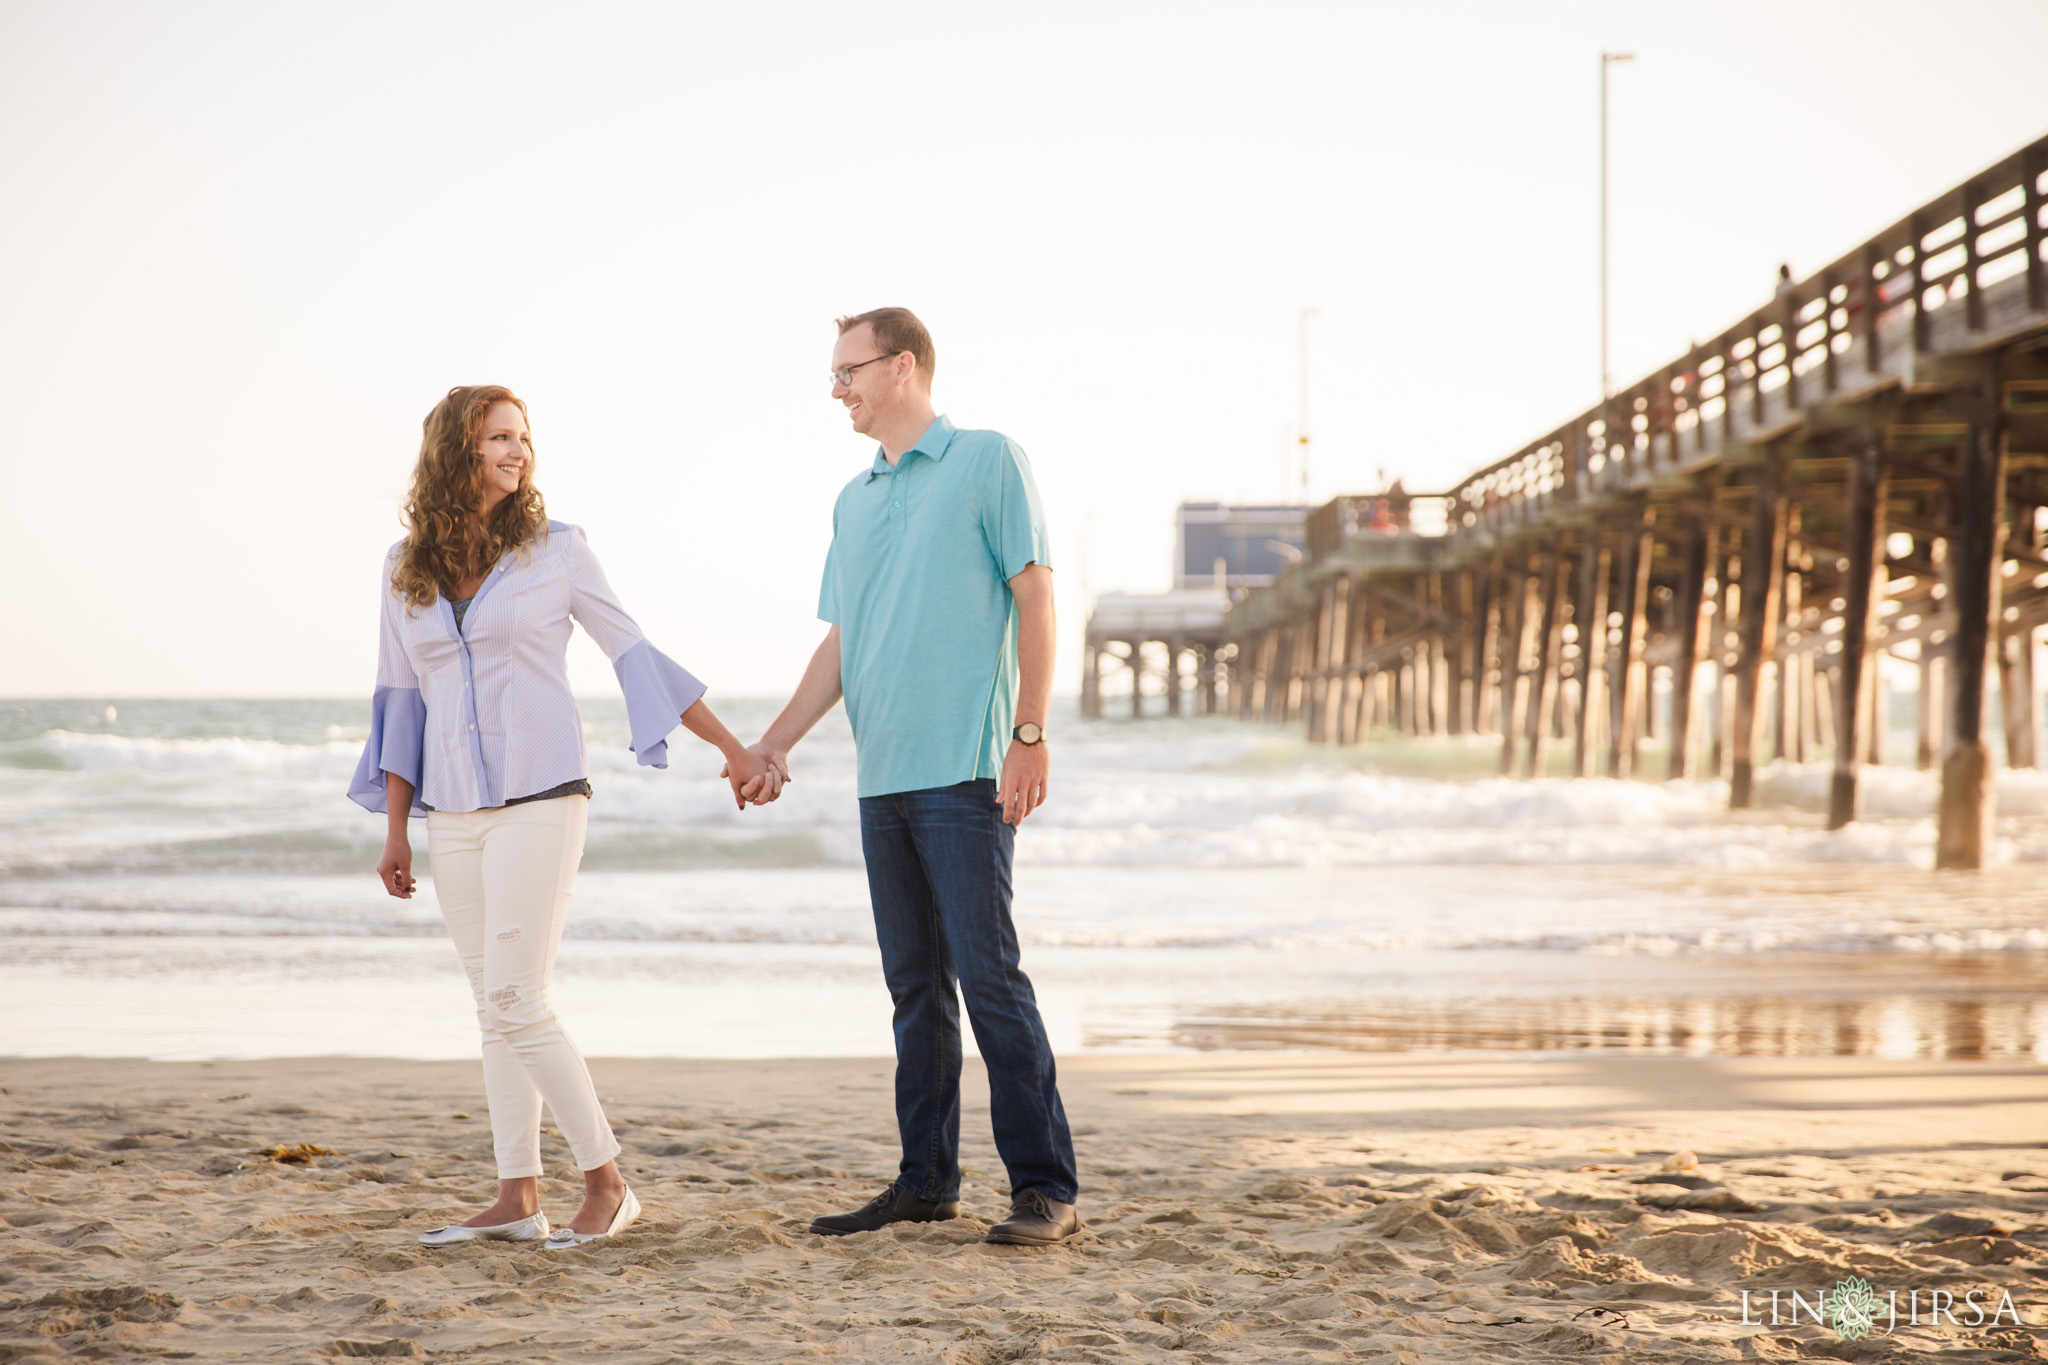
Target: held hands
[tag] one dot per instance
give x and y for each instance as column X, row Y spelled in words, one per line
column 747, row 773
column 778, row 770
column 394, row 869
column 1022, row 787
column 756, row 773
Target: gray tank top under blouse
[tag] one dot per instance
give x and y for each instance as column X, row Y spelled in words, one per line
column 580, row 787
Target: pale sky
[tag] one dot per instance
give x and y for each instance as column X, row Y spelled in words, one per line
column 245, row 248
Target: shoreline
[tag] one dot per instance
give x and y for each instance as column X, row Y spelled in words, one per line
column 1241, row 1206
column 223, row 998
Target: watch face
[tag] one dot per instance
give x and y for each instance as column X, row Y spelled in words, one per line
column 1030, row 732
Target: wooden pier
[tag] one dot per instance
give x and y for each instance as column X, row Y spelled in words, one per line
column 1858, row 468
column 1183, row 631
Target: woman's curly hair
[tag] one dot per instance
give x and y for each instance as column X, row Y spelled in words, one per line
column 445, row 542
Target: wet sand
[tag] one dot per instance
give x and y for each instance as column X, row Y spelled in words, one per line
column 1240, row 1207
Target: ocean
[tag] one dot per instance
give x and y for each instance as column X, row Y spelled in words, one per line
column 186, row 879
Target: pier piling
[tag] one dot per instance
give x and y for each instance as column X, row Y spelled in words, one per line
column 1763, row 565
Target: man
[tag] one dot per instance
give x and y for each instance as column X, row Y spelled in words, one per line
column 938, row 592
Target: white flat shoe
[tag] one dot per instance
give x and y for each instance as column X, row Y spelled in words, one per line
column 565, row 1238
column 525, row 1230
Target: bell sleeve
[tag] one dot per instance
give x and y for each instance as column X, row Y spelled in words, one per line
column 398, row 719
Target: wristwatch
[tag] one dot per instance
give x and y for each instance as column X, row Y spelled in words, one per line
column 1030, row 732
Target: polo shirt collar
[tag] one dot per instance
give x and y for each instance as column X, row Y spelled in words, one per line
column 933, row 444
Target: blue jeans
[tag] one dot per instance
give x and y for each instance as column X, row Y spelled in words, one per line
column 939, row 875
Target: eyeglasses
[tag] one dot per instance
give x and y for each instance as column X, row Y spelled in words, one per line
column 844, row 374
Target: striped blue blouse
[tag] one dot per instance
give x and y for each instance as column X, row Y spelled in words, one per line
column 478, row 714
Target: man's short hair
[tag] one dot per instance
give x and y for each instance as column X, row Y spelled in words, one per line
column 897, row 329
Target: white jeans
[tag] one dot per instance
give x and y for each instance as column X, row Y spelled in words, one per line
column 503, row 878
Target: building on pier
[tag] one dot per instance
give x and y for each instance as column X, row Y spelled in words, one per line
column 1235, row 546
column 1177, row 640
column 1221, row 551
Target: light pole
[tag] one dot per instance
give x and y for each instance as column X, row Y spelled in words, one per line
column 1301, row 430
column 1607, row 59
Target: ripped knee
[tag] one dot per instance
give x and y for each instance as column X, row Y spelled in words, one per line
column 509, row 1011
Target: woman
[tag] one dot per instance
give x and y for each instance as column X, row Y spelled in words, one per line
column 473, row 726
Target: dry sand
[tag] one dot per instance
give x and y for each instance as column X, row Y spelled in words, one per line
column 1239, row 1207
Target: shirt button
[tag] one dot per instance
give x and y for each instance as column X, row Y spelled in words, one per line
column 899, row 504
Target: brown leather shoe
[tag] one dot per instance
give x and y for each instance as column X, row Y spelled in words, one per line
column 1036, row 1221
column 893, row 1205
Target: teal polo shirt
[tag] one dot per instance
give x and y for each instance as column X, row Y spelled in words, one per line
column 918, row 582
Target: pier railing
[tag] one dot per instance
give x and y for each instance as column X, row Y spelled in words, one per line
column 1967, row 271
